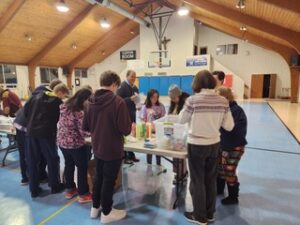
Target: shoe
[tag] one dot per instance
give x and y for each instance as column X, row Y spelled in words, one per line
column 37, row 193
column 114, row 215
column 190, row 217
column 60, row 187
column 233, row 194
column 71, row 193
column 135, row 160
column 95, row 212
column 211, row 219
column 128, row 161
column 24, row 181
column 85, row 198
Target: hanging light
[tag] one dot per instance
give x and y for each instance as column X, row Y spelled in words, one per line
column 243, row 28
column 183, row 10
column 241, row 4
column 61, row 6
column 104, row 23
column 28, row 37
column 74, row 46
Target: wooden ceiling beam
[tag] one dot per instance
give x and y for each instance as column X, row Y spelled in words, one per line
column 291, row 36
column 9, row 14
column 61, row 35
column 291, row 5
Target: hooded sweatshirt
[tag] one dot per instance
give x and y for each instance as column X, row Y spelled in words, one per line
column 107, row 118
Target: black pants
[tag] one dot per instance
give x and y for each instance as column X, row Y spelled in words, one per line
column 203, row 164
column 76, row 157
column 149, row 159
column 48, row 149
column 21, row 142
column 104, row 182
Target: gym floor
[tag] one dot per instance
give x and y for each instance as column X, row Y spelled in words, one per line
column 269, row 175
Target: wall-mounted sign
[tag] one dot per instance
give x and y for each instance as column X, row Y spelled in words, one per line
column 77, row 82
column 196, row 61
column 127, row 55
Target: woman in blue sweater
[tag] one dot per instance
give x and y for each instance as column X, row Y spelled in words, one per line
column 232, row 148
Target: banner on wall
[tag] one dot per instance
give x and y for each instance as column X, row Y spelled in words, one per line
column 228, row 81
column 196, row 61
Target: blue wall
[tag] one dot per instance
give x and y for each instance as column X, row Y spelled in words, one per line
column 162, row 83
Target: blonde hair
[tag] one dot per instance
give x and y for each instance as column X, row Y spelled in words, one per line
column 61, row 88
column 226, row 92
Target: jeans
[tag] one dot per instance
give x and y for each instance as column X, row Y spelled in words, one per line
column 76, row 157
column 104, row 182
column 47, row 148
column 158, row 159
column 203, row 164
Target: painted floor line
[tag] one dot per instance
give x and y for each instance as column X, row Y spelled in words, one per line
column 57, row 212
column 273, row 150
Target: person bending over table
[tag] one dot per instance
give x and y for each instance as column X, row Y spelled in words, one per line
column 177, row 98
column 107, row 118
column 205, row 112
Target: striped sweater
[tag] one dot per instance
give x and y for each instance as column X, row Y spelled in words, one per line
column 206, row 112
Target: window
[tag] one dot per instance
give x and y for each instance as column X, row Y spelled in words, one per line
column 221, row 50
column 232, row 49
column 203, row 50
column 81, row 73
column 8, row 75
column 48, row 74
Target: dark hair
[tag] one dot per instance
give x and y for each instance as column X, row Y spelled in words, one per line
column 180, row 104
column 76, row 102
column 203, row 80
column 54, row 82
column 61, row 88
column 220, row 74
column 151, row 92
column 129, row 72
column 108, row 78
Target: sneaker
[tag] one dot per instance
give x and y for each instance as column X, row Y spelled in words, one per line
column 60, row 187
column 211, row 219
column 230, row 201
column 95, row 212
column 114, row 215
column 71, row 193
column 37, row 193
column 24, row 181
column 190, row 217
column 85, row 198
column 128, row 161
column 135, row 160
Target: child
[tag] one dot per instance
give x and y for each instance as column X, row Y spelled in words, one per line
column 70, row 139
column 107, row 118
column 152, row 110
column 232, row 148
column 205, row 112
column 42, row 114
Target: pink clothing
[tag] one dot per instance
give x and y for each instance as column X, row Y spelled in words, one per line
column 153, row 113
column 70, row 134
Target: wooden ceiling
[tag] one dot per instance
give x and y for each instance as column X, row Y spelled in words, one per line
column 276, row 22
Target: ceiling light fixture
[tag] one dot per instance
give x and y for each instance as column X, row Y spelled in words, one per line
column 132, row 32
column 104, row 23
column 61, row 6
column 74, row 46
column 241, row 4
column 103, row 52
column 183, row 10
column 243, row 28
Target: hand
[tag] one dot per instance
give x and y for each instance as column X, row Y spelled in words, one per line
column 133, row 97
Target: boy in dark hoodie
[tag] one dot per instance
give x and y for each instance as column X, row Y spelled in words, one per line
column 107, row 119
column 42, row 114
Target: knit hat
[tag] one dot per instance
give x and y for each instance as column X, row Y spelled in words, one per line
column 174, row 91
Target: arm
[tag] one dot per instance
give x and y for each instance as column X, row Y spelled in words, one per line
column 187, row 112
column 240, row 120
column 79, row 124
column 123, row 119
column 227, row 122
column 163, row 110
column 5, row 102
column 85, row 121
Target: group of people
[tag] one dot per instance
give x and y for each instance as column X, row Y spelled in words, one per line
column 216, row 139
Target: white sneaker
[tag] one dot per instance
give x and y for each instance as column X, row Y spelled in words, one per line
column 114, row 215
column 95, row 212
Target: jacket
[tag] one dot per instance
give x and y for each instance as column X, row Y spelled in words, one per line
column 70, row 134
column 106, row 117
column 12, row 101
column 126, row 91
column 236, row 137
column 42, row 114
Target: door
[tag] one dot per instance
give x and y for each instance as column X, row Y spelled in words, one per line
column 266, row 85
column 257, row 82
column 272, row 89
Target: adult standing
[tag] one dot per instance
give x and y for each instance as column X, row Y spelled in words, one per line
column 129, row 92
column 205, row 112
